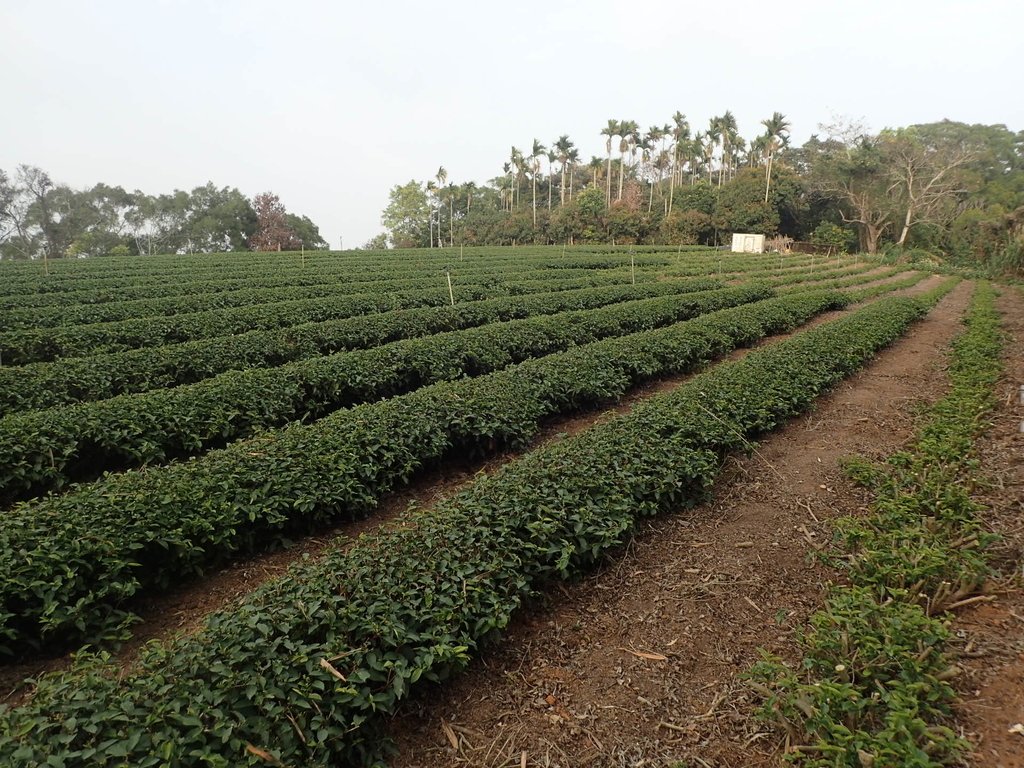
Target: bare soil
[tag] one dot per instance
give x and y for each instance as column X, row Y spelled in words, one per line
column 640, row 662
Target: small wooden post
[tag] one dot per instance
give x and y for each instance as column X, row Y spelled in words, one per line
column 632, row 267
column 461, row 246
column 303, row 255
column 46, row 264
column 451, row 295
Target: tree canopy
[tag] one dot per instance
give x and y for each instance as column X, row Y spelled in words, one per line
column 950, row 187
column 39, row 217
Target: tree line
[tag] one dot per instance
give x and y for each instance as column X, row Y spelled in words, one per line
column 43, row 219
column 948, row 187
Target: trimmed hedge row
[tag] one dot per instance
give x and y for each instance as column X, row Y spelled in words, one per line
column 162, row 287
column 226, row 278
column 863, row 294
column 68, row 562
column 91, row 275
column 833, row 279
column 303, row 670
column 248, row 295
column 42, row 344
column 45, row 450
column 848, row 282
column 77, row 379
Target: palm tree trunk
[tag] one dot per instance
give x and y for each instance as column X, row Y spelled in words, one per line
column 672, row 182
column 534, row 199
column 725, row 162
column 608, row 179
column 622, row 172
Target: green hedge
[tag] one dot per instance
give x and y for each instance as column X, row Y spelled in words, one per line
column 306, row 666
column 67, row 562
column 125, row 287
column 97, row 377
column 44, row 450
column 113, row 275
column 197, row 301
column 41, row 344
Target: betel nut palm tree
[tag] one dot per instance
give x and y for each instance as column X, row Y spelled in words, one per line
column 610, row 130
column 777, row 137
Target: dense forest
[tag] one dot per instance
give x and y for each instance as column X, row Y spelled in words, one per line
column 950, row 188
column 43, row 219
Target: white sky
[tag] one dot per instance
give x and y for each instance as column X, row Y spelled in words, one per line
column 330, row 104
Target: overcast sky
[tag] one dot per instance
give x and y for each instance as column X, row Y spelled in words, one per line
column 330, row 104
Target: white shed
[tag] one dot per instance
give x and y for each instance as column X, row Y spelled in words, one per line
column 743, row 243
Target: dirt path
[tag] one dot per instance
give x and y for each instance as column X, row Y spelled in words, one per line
column 185, row 609
column 638, row 664
column 992, row 688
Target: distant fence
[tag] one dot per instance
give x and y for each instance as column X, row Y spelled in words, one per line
column 789, row 245
column 802, row 246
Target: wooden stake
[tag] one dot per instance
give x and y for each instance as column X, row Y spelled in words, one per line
column 632, row 267
column 451, row 295
column 303, row 255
